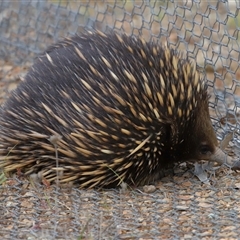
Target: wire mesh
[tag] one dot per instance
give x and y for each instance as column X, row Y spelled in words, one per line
column 181, row 207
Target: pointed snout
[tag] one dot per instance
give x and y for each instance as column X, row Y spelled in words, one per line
column 222, row 158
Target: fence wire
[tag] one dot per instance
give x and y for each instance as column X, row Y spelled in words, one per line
column 179, row 206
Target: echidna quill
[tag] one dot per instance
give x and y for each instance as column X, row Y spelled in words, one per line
column 125, row 108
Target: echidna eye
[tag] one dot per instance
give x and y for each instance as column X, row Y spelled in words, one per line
column 204, row 149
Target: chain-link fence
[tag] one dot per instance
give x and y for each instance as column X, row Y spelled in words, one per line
column 179, row 206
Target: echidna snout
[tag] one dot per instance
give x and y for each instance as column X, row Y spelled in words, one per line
column 125, row 109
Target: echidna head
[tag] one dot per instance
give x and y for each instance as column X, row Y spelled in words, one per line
column 205, row 139
column 201, row 141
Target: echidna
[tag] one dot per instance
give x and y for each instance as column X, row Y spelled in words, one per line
column 125, row 109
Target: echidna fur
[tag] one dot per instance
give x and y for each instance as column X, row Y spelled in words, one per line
column 125, row 109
